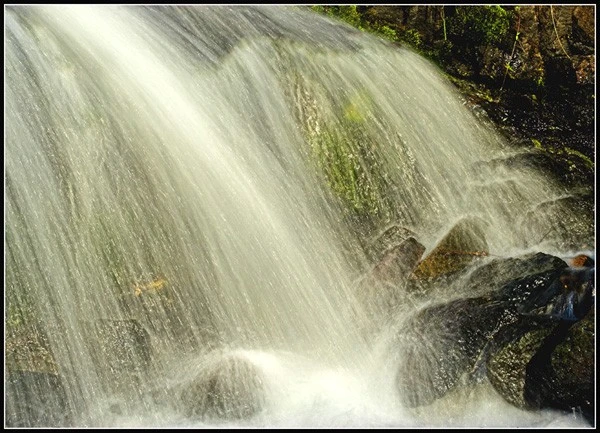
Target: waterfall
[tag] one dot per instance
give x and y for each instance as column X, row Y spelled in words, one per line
column 189, row 189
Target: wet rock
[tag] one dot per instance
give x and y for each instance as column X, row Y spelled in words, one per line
column 542, row 362
column 512, row 351
column 562, row 377
column 441, row 346
column 496, row 273
column 29, row 350
column 496, row 334
column 391, row 237
column 581, row 261
column 398, row 261
column 521, row 295
column 571, row 228
column 124, row 343
column 36, row 399
column 122, row 352
column 464, row 243
column 569, row 297
column 224, row 387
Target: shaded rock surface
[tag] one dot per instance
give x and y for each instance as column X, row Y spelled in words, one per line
column 36, row 399
column 122, row 353
column 528, row 328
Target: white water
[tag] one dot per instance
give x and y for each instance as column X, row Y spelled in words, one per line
column 177, row 145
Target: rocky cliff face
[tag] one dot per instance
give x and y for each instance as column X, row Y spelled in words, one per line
column 531, row 68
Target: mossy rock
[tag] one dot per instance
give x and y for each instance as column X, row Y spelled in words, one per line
column 27, row 350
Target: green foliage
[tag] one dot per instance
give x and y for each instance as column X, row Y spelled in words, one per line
column 476, row 25
column 386, row 33
column 412, row 37
column 348, row 13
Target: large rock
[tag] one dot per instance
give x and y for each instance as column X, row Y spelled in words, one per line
column 517, row 316
column 224, row 386
column 544, row 357
column 441, row 346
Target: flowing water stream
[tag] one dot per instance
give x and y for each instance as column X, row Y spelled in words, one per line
column 201, row 181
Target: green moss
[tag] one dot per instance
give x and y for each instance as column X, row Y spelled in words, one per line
column 536, row 143
column 587, row 161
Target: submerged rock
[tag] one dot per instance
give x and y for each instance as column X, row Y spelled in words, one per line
column 121, row 351
column 36, row 399
column 225, row 387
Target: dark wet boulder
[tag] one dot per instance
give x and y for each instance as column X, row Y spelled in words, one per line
column 463, row 244
column 36, row 399
column 569, row 297
column 497, row 334
column 223, row 386
column 544, row 357
column 520, row 295
column 441, row 345
column 496, row 273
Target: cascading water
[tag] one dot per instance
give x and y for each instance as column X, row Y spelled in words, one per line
column 188, row 194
